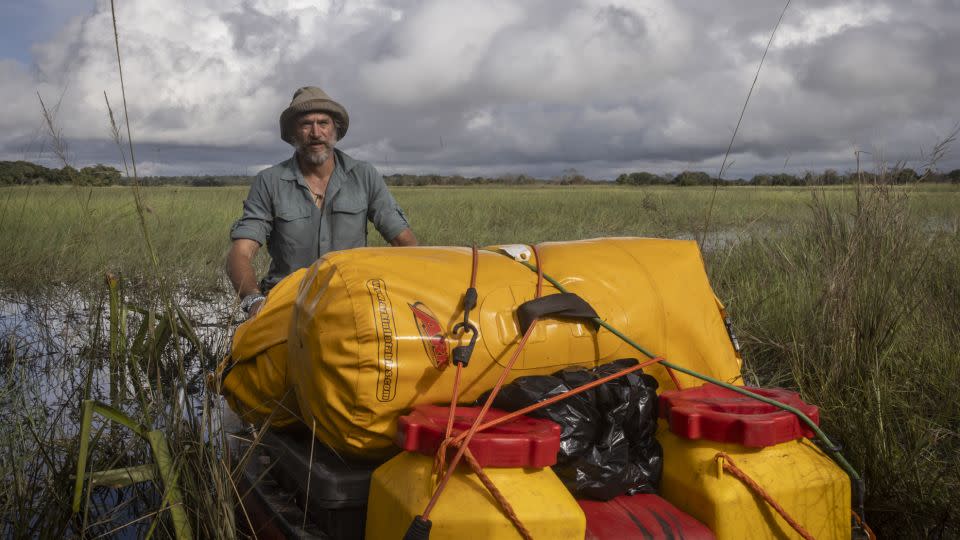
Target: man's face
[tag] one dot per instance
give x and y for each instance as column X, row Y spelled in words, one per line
column 315, row 137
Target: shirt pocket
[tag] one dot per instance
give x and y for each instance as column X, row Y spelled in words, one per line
column 294, row 234
column 348, row 219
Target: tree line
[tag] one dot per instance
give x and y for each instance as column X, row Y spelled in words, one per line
column 25, row 172
column 903, row 175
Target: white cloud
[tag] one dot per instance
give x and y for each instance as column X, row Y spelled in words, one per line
column 535, row 86
column 436, row 51
column 818, row 22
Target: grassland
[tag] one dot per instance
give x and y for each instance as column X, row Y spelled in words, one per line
column 70, row 235
column 850, row 295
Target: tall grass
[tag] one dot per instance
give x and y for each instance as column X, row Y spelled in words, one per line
column 45, row 243
column 858, row 307
column 74, row 235
column 148, row 374
column 71, row 349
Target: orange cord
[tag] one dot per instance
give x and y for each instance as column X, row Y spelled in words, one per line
column 673, row 377
column 461, row 448
column 473, row 428
column 559, row 397
column 731, row 467
column 440, row 458
column 475, row 255
column 504, row 504
column 536, row 255
column 453, row 402
column 441, row 453
column 476, row 263
column 866, row 528
column 462, row 440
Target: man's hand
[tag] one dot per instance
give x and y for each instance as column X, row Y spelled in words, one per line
column 240, row 270
column 405, row 238
column 255, row 308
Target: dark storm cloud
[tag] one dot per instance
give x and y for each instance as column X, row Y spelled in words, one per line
column 501, row 86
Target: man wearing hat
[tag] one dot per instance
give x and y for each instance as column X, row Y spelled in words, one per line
column 317, row 201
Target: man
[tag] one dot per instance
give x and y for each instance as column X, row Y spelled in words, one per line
column 317, row 201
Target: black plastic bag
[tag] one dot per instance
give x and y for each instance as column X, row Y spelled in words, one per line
column 607, row 443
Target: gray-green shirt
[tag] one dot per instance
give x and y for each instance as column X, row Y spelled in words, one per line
column 279, row 211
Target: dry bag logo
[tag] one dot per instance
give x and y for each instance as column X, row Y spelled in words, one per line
column 431, row 334
column 386, row 340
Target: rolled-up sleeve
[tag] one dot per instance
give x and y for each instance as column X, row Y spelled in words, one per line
column 383, row 210
column 257, row 219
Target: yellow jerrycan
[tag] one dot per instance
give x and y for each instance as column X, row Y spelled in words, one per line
column 516, row 457
column 728, row 458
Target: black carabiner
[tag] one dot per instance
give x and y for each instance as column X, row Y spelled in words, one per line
column 462, row 353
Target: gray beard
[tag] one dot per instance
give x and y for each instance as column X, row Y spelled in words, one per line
column 314, row 158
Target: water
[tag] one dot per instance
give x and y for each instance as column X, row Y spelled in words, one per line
column 54, row 354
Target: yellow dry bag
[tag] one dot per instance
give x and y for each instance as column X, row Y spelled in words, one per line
column 254, row 376
column 371, row 328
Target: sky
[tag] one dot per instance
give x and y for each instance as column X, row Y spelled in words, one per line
column 499, row 87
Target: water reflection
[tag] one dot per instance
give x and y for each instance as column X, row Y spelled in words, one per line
column 54, row 353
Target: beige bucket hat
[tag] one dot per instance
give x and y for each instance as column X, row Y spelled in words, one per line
column 312, row 99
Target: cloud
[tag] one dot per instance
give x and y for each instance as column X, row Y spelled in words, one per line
column 501, row 86
column 813, row 23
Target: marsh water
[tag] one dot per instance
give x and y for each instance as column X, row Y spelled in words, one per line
column 55, row 353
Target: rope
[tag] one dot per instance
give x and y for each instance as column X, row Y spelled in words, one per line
column 462, row 440
column 461, row 448
column 728, row 465
column 476, row 263
column 828, row 444
column 673, row 377
column 504, row 503
column 453, row 402
column 441, row 456
column 669, row 367
column 559, row 397
column 473, row 428
column 866, row 528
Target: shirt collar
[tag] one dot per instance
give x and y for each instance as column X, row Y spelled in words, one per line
column 346, row 161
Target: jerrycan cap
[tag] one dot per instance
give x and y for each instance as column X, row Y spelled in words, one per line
column 714, row 413
column 521, row 442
